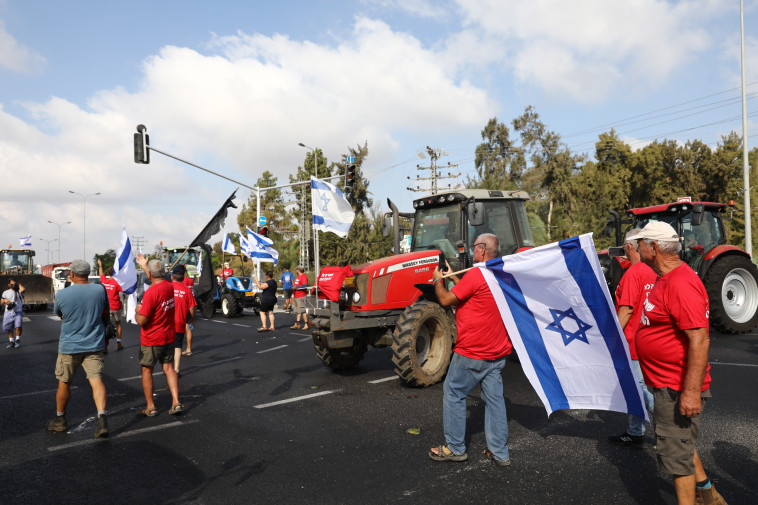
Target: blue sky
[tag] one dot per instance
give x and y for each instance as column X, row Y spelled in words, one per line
column 235, row 86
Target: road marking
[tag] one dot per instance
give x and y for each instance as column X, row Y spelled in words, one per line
column 730, row 364
column 25, row 319
column 122, row 435
column 33, row 393
column 296, row 399
column 243, row 325
column 306, row 339
column 377, row 381
column 217, row 321
column 54, row 318
column 188, row 368
column 272, row 349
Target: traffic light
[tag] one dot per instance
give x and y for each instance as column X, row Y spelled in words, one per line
column 263, row 231
column 141, row 141
column 350, row 176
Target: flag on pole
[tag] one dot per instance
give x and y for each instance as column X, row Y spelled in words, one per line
column 558, row 312
column 244, row 245
column 26, row 241
column 260, row 249
column 124, row 268
column 228, row 247
column 331, row 211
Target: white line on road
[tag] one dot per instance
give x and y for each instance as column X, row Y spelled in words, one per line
column 188, row 368
column 54, row 318
column 296, row 399
column 33, row 393
column 217, row 321
column 272, row 349
column 730, row 364
column 306, row 339
column 377, row 381
column 121, row 435
column 243, row 325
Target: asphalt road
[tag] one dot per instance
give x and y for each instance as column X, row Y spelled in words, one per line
column 267, row 423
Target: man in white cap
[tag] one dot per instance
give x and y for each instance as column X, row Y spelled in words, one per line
column 672, row 345
column 227, row 272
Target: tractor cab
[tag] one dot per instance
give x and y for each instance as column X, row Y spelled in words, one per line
column 16, row 261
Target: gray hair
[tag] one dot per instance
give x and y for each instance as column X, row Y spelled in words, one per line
column 629, row 237
column 155, row 269
column 492, row 244
column 669, row 248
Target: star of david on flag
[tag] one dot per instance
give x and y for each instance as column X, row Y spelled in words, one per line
column 259, row 248
column 556, row 307
column 331, row 211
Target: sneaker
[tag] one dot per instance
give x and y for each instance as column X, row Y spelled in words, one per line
column 295, row 326
column 102, row 427
column 10, row 345
column 57, row 424
column 18, row 342
column 119, row 347
column 627, row 440
column 708, row 496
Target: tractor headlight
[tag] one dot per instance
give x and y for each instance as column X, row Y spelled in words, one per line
column 356, row 297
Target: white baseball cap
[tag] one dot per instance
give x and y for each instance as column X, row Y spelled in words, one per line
column 659, row 231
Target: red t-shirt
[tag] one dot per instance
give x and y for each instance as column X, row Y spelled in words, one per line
column 227, row 272
column 632, row 291
column 188, row 281
column 158, row 307
column 302, row 280
column 677, row 302
column 113, row 289
column 183, row 301
column 481, row 332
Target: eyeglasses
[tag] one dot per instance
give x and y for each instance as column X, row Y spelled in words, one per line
column 481, row 244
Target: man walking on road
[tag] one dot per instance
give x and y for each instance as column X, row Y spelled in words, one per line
column 631, row 294
column 184, row 312
column 672, row 344
column 83, row 307
column 478, row 359
column 113, row 288
column 301, row 291
column 155, row 315
column 13, row 317
column 287, row 279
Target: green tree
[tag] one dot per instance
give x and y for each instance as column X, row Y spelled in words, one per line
column 499, row 163
column 108, row 258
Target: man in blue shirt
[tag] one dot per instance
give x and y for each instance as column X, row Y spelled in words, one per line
column 287, row 278
column 84, row 309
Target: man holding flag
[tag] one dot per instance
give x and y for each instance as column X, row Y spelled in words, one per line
column 478, row 359
column 113, row 289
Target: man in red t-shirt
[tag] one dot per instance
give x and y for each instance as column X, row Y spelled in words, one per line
column 478, row 359
column 155, row 315
column 301, row 291
column 672, row 345
column 113, row 289
column 227, row 271
column 189, row 326
column 184, row 312
column 631, row 294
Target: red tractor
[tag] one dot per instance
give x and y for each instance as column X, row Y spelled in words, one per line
column 391, row 301
column 727, row 272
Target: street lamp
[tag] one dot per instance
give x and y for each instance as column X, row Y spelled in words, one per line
column 48, row 247
column 84, row 221
column 59, row 237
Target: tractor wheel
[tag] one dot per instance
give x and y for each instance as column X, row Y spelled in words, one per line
column 229, row 305
column 732, row 285
column 422, row 344
column 208, row 309
column 342, row 359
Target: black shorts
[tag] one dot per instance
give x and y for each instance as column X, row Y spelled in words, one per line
column 267, row 305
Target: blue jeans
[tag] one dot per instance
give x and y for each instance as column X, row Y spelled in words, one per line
column 463, row 375
column 637, row 424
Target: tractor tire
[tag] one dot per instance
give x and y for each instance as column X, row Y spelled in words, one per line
column 230, row 307
column 732, row 285
column 342, row 359
column 208, row 309
column 422, row 344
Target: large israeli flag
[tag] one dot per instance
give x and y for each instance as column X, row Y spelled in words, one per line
column 260, row 248
column 25, row 241
column 558, row 312
column 331, row 211
column 228, row 247
column 124, row 268
column 244, row 245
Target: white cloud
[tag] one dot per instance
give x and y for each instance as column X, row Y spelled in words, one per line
column 583, row 50
column 16, row 57
column 419, row 8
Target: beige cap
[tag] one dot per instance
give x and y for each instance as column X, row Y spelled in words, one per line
column 659, row 231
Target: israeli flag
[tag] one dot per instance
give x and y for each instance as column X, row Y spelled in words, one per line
column 260, row 248
column 331, row 211
column 124, row 268
column 26, row 241
column 228, row 247
column 244, row 245
column 558, row 312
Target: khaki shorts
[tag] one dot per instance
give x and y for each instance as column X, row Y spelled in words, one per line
column 150, row 355
column 116, row 316
column 67, row 364
column 675, row 434
column 300, row 305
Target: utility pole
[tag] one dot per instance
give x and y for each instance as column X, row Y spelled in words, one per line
column 434, row 155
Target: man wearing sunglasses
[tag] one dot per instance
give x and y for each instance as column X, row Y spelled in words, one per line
column 478, row 359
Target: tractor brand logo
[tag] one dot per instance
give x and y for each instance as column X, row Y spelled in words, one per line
column 418, row 270
column 413, row 263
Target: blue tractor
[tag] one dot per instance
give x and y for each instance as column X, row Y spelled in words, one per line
column 236, row 294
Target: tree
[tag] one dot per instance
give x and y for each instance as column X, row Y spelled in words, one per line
column 108, row 258
column 499, row 163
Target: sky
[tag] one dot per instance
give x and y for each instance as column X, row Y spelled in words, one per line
column 235, row 86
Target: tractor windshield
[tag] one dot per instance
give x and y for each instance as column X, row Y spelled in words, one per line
column 438, row 228
column 502, row 220
column 701, row 237
column 190, row 258
column 16, row 261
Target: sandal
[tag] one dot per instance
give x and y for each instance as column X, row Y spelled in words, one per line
column 187, row 353
column 144, row 411
column 176, row 409
column 271, row 329
column 445, row 454
column 499, row 462
column 262, row 329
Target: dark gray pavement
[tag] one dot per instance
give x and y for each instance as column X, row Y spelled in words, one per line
column 334, row 438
